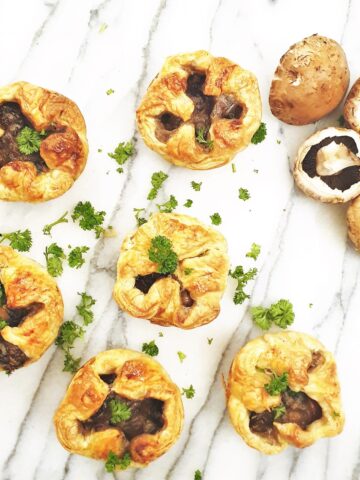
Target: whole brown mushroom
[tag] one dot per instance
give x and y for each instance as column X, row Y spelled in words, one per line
column 352, row 107
column 310, row 81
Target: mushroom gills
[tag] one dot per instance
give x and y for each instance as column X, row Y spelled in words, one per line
column 299, row 409
column 12, row 121
column 335, row 161
column 146, row 417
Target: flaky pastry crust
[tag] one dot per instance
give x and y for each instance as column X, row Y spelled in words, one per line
column 28, row 285
column 136, row 377
column 202, row 254
column 289, row 352
column 353, row 222
column 64, row 150
column 167, row 93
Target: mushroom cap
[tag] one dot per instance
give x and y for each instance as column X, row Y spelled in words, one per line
column 330, row 173
column 353, row 222
column 352, row 107
column 310, row 81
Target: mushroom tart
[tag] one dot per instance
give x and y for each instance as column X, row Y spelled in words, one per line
column 43, row 146
column 31, row 310
column 283, row 390
column 353, row 222
column 172, row 271
column 352, row 107
column 121, row 406
column 200, row 110
column 310, row 81
column 327, row 165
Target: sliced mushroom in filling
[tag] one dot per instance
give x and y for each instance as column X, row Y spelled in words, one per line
column 206, row 109
column 145, row 282
column 146, row 416
column 299, row 408
column 335, row 161
column 12, row 121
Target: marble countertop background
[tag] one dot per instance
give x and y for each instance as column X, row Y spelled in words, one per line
column 64, row 45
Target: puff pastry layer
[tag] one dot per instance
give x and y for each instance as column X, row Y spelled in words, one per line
column 193, row 92
column 307, row 416
column 183, row 300
column 134, row 377
column 33, row 310
column 63, row 151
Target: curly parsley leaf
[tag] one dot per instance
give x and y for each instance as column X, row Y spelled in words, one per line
column 197, row 475
column 244, row 194
column 189, row 392
column 157, row 179
column 119, row 411
column 260, row 134
column 278, row 384
column 47, row 229
column 69, row 332
column 122, row 153
column 75, row 258
column 242, row 278
column 150, row 348
column 168, row 206
column 84, row 308
column 29, row 140
column 280, row 313
column 161, row 252
column 19, row 240
column 215, row 219
column 113, row 461
column 54, row 256
column 181, row 356
column 200, row 137
column 139, row 219
column 89, row 218
column 3, row 324
column 254, row 251
column 279, row 411
column 188, row 203
column 196, row 186
column 71, row 364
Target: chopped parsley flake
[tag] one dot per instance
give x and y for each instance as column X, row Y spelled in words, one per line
column 260, row 134
column 242, row 278
column 188, row 203
column 197, row 475
column 3, row 324
column 254, row 251
column 244, row 194
column 210, row 340
column 189, row 392
column 110, row 91
column 157, row 179
column 181, row 356
column 196, row 186
column 168, row 206
column 278, row 384
column 150, row 348
column 84, row 308
column 122, row 153
column 215, row 219
column 279, row 411
column 188, row 271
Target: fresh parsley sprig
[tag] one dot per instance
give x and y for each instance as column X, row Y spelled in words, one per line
column 244, row 194
column 47, row 228
column 119, row 411
column 168, row 206
column 215, row 219
column 54, row 256
column 280, row 313
column 122, row 153
column 113, row 461
column 19, row 240
column 157, row 179
column 84, row 308
column 200, row 137
column 189, row 392
column 89, row 218
column 242, row 278
column 150, row 348
column 75, row 258
column 254, row 251
column 29, row 140
column 196, row 186
column 278, row 384
column 161, row 252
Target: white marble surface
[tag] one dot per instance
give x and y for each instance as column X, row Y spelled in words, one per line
column 305, row 255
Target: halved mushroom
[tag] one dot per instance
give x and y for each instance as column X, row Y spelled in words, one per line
column 353, row 222
column 352, row 107
column 327, row 166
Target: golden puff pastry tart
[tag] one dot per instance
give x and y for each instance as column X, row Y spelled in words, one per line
column 31, row 310
column 200, row 110
column 353, row 222
column 120, row 403
column 327, row 167
column 43, row 146
column 172, row 271
column 283, row 390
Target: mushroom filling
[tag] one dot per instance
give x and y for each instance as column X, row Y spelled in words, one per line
column 15, row 316
column 11, row 356
column 334, row 160
column 145, row 282
column 299, row 409
column 12, row 121
column 317, row 359
column 108, row 378
column 206, row 108
column 146, row 417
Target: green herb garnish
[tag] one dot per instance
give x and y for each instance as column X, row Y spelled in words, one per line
column 150, row 348
column 3, row 324
column 254, row 251
column 196, row 186
column 157, row 179
column 19, row 240
column 75, row 258
column 89, row 218
column 280, row 313
column 242, row 278
column 139, row 219
column 181, row 356
column 188, row 392
column 110, row 91
column 215, row 219
column 260, row 134
column 168, row 206
column 197, row 475
column 188, row 203
column 200, row 137
column 84, row 308
column 29, row 140
column 188, row 271
column 47, row 229
column 114, row 461
column 244, row 194
column 278, row 384
column 279, row 411
column 161, row 252
column 122, row 153
column 54, row 256
column 119, row 411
